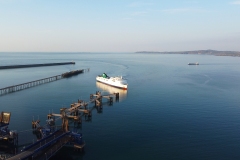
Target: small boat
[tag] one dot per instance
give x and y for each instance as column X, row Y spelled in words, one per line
column 118, row 82
column 193, row 63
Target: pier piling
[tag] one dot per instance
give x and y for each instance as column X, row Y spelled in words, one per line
column 26, row 85
column 50, row 140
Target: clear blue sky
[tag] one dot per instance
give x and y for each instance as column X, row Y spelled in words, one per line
column 119, row 25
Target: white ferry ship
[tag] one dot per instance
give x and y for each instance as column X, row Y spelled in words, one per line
column 118, row 82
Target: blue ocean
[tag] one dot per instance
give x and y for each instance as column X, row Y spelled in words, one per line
column 171, row 110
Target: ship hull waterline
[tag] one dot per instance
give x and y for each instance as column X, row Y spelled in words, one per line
column 120, row 87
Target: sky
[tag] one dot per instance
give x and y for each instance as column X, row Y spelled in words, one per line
column 119, row 25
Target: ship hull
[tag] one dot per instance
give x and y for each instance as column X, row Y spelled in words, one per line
column 110, row 82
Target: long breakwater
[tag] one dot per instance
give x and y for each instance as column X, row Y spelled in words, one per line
column 35, row 65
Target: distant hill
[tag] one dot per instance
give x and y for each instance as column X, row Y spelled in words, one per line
column 203, row 52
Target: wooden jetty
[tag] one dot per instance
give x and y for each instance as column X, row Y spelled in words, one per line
column 14, row 88
column 49, row 144
column 35, row 65
column 79, row 109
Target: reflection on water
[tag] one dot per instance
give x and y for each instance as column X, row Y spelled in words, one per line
column 106, row 88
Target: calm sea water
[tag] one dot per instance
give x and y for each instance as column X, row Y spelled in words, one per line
column 170, row 111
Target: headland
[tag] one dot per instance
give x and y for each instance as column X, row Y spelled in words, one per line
column 201, row 52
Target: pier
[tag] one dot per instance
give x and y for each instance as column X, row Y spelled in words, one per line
column 51, row 139
column 41, row 150
column 19, row 87
column 35, row 65
column 80, row 109
column 26, row 85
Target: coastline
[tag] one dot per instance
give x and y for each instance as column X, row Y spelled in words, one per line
column 200, row 52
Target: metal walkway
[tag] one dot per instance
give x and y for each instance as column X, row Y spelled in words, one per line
column 19, row 87
column 26, row 85
column 44, row 148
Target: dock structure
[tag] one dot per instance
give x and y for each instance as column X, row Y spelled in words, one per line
column 8, row 138
column 41, row 148
column 35, row 65
column 19, row 87
column 50, row 139
column 80, row 108
column 26, row 85
column 72, row 73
